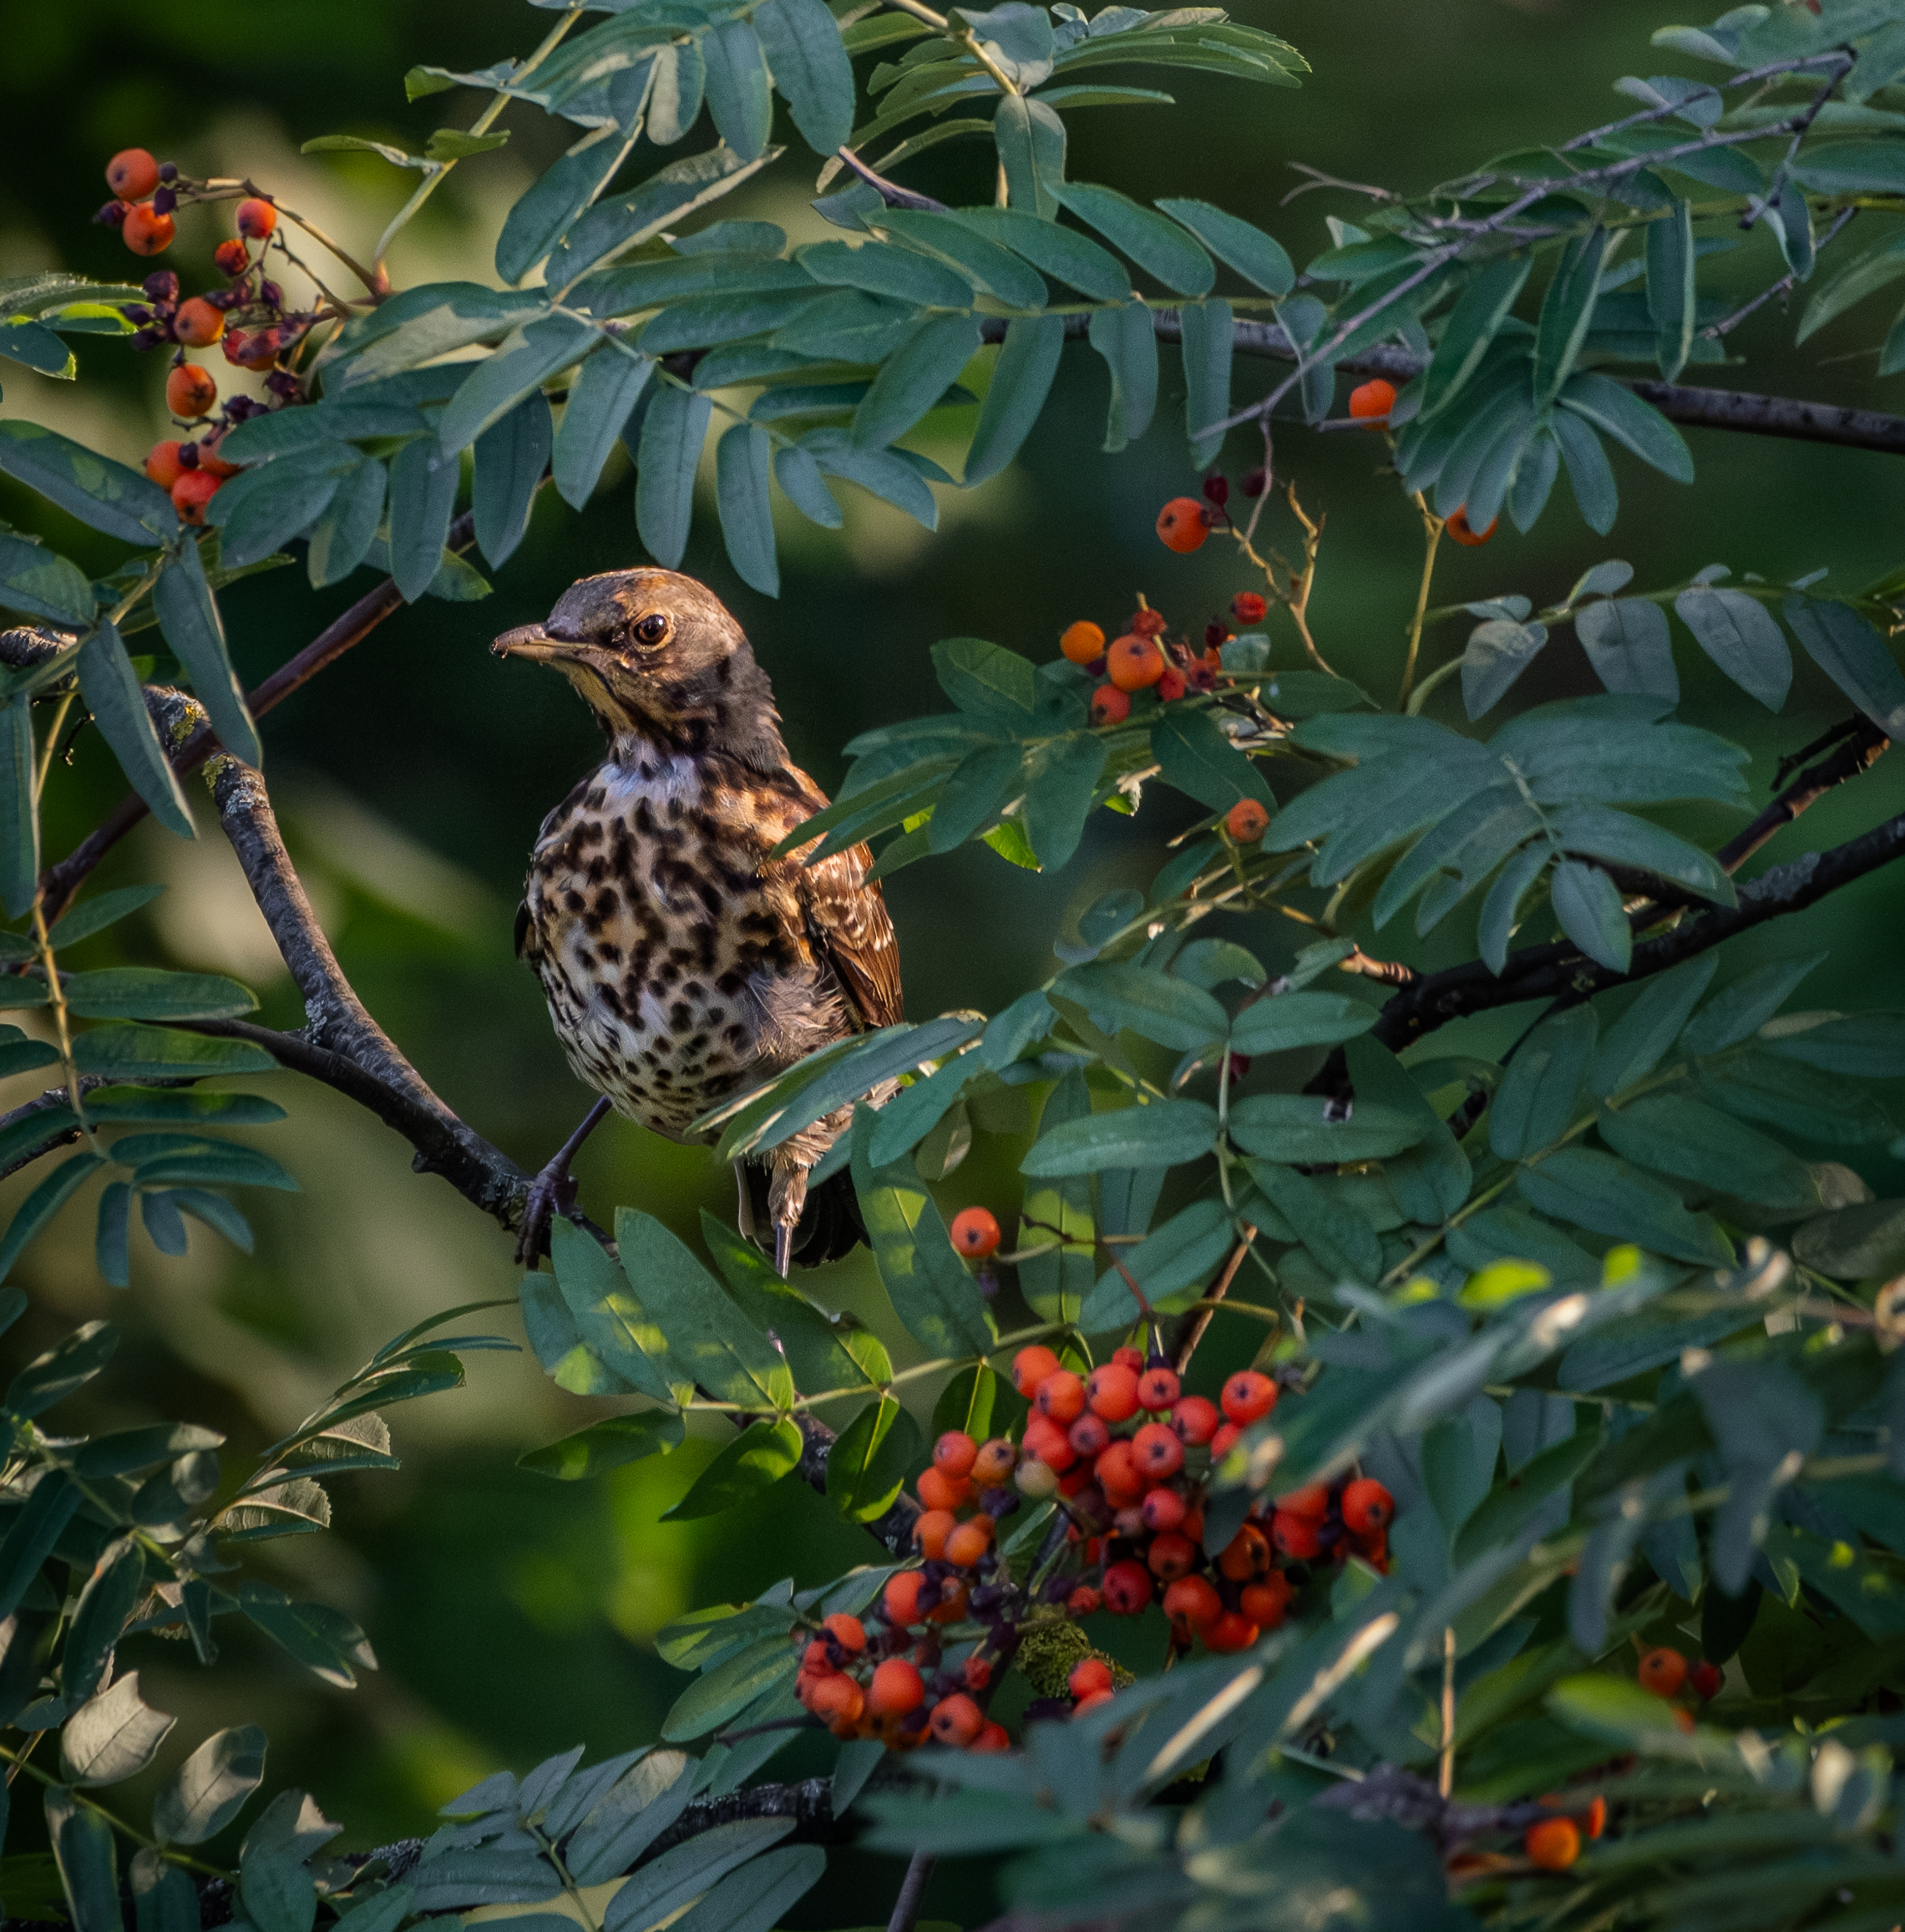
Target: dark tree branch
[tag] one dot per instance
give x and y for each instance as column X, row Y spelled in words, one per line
column 59, row 883
column 1862, row 744
column 1557, row 970
column 1700, row 408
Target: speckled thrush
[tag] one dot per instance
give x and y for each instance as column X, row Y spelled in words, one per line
column 682, row 964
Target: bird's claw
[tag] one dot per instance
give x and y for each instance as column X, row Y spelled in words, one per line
column 551, row 1192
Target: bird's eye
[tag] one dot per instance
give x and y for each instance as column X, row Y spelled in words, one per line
column 651, row 629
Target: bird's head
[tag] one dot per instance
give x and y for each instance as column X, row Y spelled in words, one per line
column 659, row 659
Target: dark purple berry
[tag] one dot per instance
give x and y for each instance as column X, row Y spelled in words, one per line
column 1257, row 481
column 162, row 284
column 168, row 171
column 1217, row 488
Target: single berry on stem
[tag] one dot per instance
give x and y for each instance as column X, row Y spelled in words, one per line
column 144, row 231
column 1554, row 1844
column 1462, row 532
column 1247, row 821
column 1662, row 1671
column 231, row 257
column 975, row 1233
column 132, row 173
column 1110, row 706
column 190, row 391
column 256, row 219
column 199, row 323
column 1372, row 400
column 1247, row 607
column 194, row 489
column 1082, row 642
column 1134, row 663
column 1181, row 526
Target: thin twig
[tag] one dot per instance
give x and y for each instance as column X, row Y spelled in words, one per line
column 912, row 1891
column 1432, row 528
column 890, row 192
column 1445, row 1771
column 1191, row 1329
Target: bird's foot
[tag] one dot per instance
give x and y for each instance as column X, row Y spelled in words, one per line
column 551, row 1192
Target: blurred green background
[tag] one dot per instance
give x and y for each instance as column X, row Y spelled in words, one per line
column 513, row 1617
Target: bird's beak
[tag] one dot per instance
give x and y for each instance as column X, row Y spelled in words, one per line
column 532, row 642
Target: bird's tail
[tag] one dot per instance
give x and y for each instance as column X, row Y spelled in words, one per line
column 830, row 1222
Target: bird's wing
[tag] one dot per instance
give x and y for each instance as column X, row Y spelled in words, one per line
column 849, row 926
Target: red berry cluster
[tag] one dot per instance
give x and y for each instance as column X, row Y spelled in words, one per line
column 1140, row 658
column 862, row 1686
column 1131, row 1452
column 248, row 318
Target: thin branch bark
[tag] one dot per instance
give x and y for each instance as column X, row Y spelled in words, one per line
column 1700, row 408
column 1552, row 972
column 61, row 883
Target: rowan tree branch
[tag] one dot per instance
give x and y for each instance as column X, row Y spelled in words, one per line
column 61, row 883
column 1552, row 972
column 1700, row 408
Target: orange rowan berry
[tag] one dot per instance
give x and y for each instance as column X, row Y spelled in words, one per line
column 1247, row 607
column 1194, row 1602
column 1061, row 1397
column 1084, row 1600
column 256, row 219
column 1127, row 1587
column 1118, row 1477
column 816, row 1660
column 1171, row 1555
column 1193, row 1524
column 198, row 325
column 956, row 1720
column 1134, row 663
column 1194, row 1419
column 1088, row 1674
column 1462, row 532
column 899, row 1602
column 994, row 1462
column 1554, row 1844
column 1707, row 1680
column 1311, row 1502
column 194, row 489
column 132, row 173
column 977, row 1671
column 1090, row 1435
column 955, row 1453
column 838, row 1697
column 1110, row 705
column 209, row 457
column 940, row 1491
column 970, row 1542
column 1156, row 1453
column 1113, row 1391
column 1376, row 399
column 849, row 1633
column 231, row 258
column 975, row 1233
column 162, row 463
column 1171, row 687
column 1247, row 821
column 1367, row 1506
column 1163, row 1509
column 145, row 233
column 1265, row 1603
column 1048, row 1442
column 1082, row 642
column 189, row 390
column 1232, row 1631
column 1224, row 1441
column 1181, row 526
column 1030, row 1366
column 1246, row 1555
column 931, row 1531
column 1294, row 1537
column 1663, row 1672
column 1248, row 1396
column 1594, row 1821
column 1092, row 1702
column 897, row 1688
column 1157, row 1388
column 993, row 1737
column 1148, row 623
